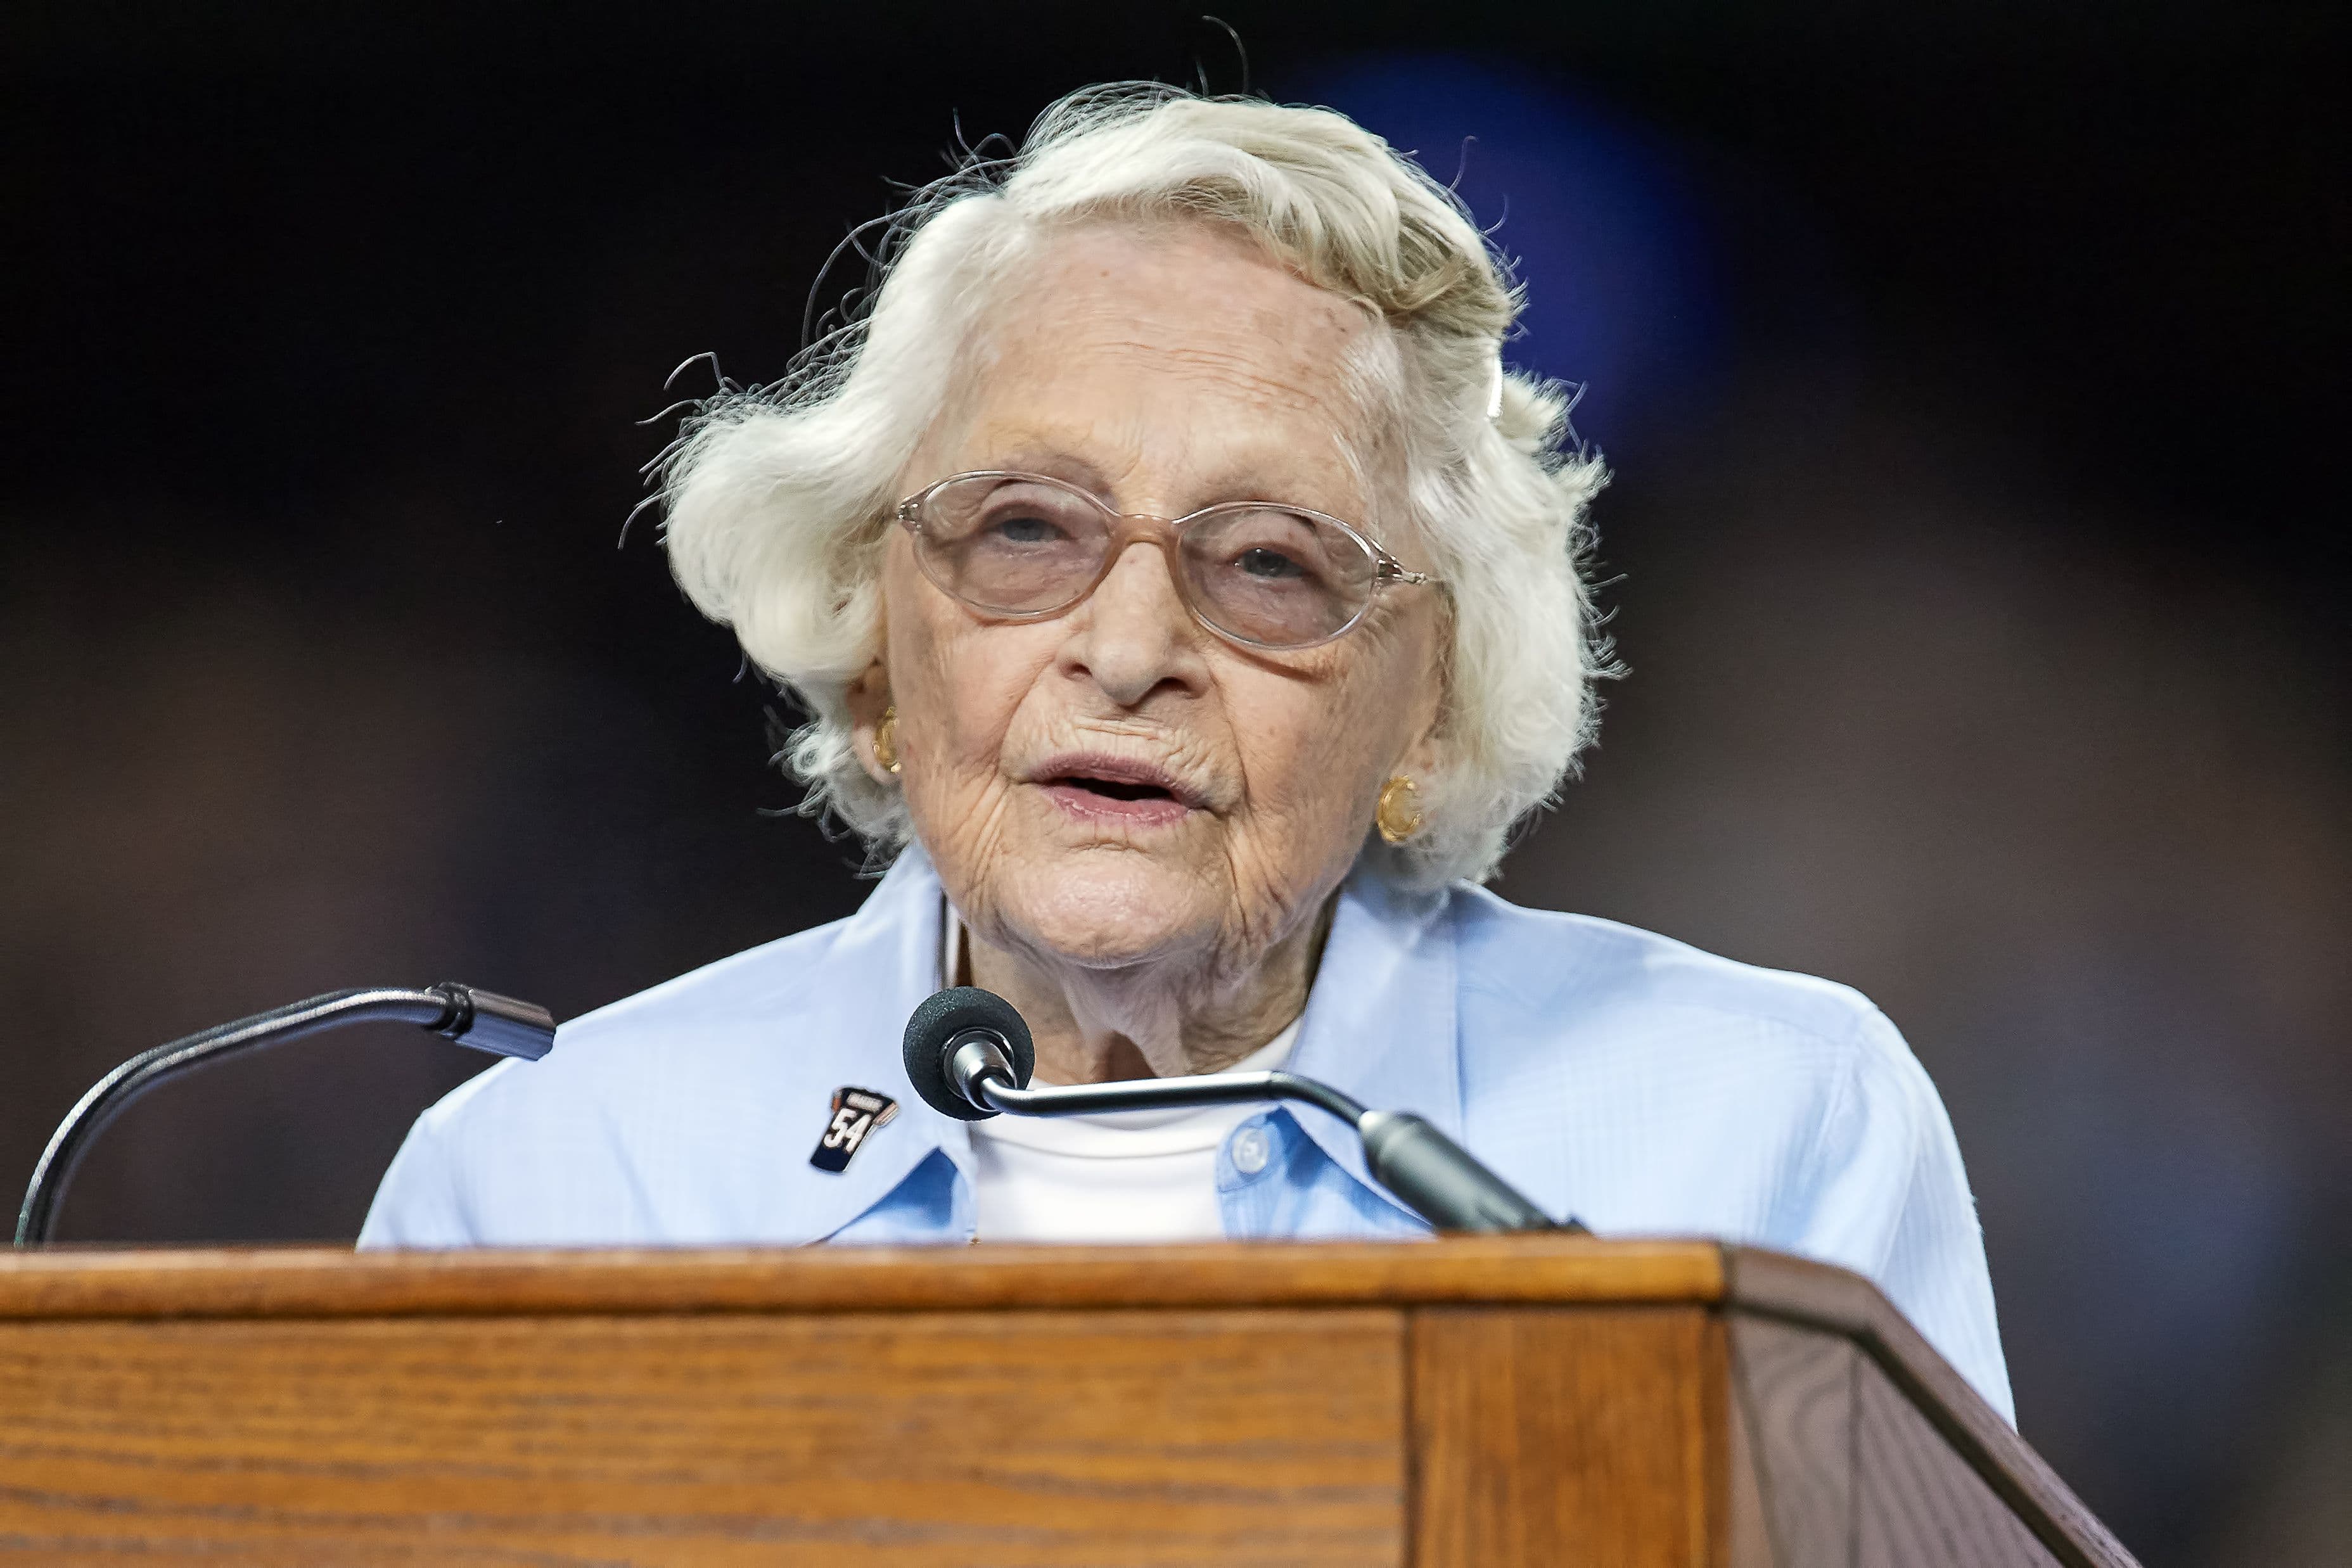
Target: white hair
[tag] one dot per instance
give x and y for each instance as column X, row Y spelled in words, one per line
column 779, row 498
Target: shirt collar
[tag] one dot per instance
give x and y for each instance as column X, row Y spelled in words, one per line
column 1380, row 1026
column 1379, row 1023
column 884, row 962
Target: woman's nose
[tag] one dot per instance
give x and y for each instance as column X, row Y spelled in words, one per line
column 1134, row 634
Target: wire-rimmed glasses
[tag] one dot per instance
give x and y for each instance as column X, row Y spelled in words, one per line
column 1022, row 546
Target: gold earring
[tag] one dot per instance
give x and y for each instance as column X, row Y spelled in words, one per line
column 885, row 740
column 1399, row 817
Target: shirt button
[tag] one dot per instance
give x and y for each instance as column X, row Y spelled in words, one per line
column 1251, row 1150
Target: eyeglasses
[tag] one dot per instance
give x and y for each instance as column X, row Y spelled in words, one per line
column 1026, row 547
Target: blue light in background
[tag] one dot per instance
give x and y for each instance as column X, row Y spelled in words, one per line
column 1607, row 227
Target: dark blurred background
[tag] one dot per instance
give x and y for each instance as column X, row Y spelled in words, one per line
column 1969, row 374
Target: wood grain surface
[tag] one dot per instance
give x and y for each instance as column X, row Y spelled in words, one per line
column 1795, row 1398
column 1746, row 1532
column 1031, row 1437
column 1497, row 1400
column 1760, row 1284
column 323, row 1281
column 1917, row 1505
column 1852, row 1475
column 1547, row 1436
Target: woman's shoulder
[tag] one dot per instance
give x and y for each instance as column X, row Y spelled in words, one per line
column 1545, row 962
column 754, row 983
column 1602, row 1008
column 727, row 1021
column 653, row 1119
column 1652, row 1088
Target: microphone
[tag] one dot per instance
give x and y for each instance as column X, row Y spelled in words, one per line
column 483, row 1020
column 969, row 1056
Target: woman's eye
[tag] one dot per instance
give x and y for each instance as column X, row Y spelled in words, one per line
column 1267, row 565
column 1025, row 531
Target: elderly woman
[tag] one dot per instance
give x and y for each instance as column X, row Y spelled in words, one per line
column 1189, row 600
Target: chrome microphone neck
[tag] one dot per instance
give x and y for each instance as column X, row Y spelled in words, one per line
column 969, row 1055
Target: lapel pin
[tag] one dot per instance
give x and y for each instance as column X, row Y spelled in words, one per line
column 855, row 1114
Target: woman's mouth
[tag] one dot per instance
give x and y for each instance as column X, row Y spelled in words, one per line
column 1109, row 790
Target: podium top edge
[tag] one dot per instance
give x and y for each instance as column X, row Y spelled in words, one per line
column 321, row 1281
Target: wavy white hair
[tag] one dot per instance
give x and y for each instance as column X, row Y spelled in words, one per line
column 779, row 498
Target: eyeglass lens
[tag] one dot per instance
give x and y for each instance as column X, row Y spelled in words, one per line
column 1266, row 575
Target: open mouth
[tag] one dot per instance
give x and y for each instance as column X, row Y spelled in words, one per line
column 1108, row 789
column 1114, row 789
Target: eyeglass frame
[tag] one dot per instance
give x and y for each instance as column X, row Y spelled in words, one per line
column 1167, row 533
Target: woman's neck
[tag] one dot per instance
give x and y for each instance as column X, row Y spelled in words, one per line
column 1095, row 1026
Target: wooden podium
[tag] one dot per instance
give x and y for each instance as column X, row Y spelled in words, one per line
column 1497, row 1402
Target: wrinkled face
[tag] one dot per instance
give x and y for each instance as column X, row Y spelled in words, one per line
column 1118, row 785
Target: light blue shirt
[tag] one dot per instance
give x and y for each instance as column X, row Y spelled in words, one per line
column 1644, row 1087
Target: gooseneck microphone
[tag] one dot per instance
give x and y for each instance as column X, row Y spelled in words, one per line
column 483, row 1020
column 969, row 1056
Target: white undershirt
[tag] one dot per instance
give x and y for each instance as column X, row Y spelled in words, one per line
column 1128, row 1175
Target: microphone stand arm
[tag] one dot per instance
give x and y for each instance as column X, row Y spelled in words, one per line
column 1435, row 1176
column 482, row 1019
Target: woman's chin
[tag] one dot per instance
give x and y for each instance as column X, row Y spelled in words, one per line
column 1108, row 910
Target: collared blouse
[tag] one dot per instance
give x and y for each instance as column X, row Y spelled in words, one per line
column 1638, row 1084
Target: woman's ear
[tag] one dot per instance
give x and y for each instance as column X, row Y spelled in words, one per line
column 869, row 700
column 1426, row 755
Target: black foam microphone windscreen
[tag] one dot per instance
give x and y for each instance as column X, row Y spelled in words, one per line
column 937, row 1023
